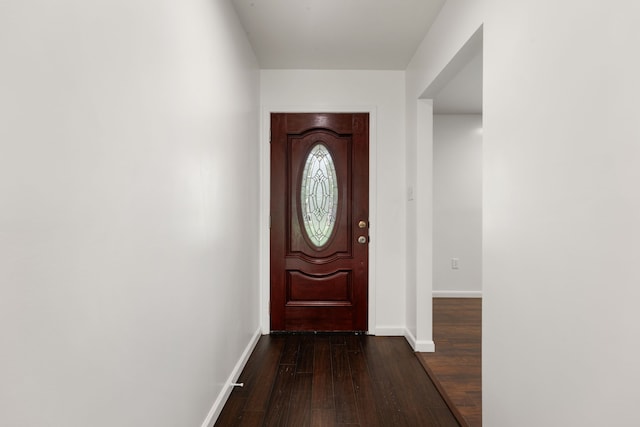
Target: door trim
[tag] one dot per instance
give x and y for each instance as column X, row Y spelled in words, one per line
column 265, row 201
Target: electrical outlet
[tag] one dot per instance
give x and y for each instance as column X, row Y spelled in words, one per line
column 455, row 263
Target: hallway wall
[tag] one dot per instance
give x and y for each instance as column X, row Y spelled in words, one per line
column 562, row 213
column 561, row 207
column 129, row 190
column 429, row 71
column 457, row 204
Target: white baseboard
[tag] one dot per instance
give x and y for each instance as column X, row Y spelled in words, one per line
column 425, row 346
column 457, row 294
column 216, row 409
column 389, row 332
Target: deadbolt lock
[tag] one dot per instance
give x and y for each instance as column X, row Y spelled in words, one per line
column 362, row 224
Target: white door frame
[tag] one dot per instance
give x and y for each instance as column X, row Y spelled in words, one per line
column 265, row 201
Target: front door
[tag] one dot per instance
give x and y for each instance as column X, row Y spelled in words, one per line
column 319, row 221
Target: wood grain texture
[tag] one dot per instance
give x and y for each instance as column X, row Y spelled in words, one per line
column 335, row 380
column 319, row 288
column 456, row 365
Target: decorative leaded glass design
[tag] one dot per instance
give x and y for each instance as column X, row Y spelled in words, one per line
column 319, row 195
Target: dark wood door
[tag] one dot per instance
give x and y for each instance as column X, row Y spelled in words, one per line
column 319, row 221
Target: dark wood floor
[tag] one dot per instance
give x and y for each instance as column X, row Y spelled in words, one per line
column 335, row 380
column 456, row 365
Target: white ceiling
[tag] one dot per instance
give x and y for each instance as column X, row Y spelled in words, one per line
column 336, row 34
column 353, row 35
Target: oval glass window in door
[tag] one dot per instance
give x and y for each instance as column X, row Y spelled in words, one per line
column 319, row 195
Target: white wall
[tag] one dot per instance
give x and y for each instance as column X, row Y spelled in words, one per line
column 311, row 90
column 428, row 72
column 457, row 204
column 561, row 208
column 127, row 290
column 562, row 213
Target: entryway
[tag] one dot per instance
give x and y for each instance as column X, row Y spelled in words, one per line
column 319, row 221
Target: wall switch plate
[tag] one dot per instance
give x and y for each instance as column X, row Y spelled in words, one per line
column 455, row 263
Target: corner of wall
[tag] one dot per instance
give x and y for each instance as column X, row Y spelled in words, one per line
column 424, row 346
column 224, row 394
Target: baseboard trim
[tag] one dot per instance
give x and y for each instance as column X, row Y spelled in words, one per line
column 389, row 332
column 224, row 394
column 457, row 294
column 425, row 346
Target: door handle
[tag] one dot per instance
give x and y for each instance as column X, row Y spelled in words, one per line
column 362, row 239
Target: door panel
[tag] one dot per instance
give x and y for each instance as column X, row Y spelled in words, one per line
column 319, row 268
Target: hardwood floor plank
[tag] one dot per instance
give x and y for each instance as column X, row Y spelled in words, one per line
column 456, row 365
column 338, row 339
column 353, row 342
column 232, row 412
column 368, row 411
column 420, row 398
column 291, row 350
column 250, row 419
column 278, row 407
column 300, row 404
column 343, row 391
column 322, row 387
column 305, row 359
column 415, row 401
column 264, row 352
column 323, row 418
column 259, row 381
column 378, row 359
